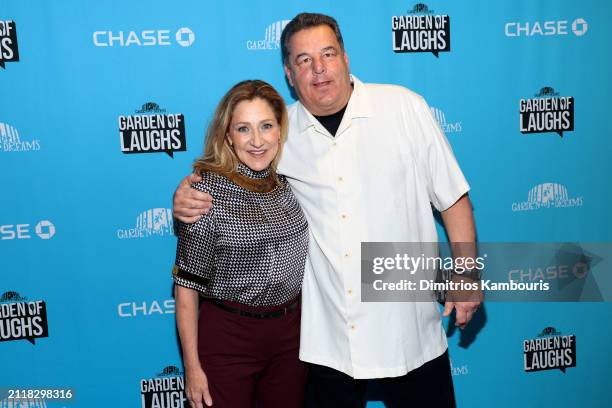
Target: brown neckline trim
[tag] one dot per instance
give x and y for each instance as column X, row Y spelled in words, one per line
column 263, row 185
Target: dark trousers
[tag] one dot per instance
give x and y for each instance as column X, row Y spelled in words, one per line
column 429, row 386
column 251, row 362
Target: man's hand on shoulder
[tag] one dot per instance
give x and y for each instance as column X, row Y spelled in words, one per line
column 189, row 204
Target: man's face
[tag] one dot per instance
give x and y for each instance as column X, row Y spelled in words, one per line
column 318, row 69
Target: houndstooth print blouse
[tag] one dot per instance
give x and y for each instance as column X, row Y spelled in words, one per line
column 250, row 248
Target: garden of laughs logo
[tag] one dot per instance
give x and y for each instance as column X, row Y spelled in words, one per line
column 421, row 30
column 549, row 351
column 9, row 50
column 547, row 112
column 152, row 130
column 166, row 389
column 21, row 319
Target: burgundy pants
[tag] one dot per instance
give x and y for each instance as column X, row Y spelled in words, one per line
column 251, row 362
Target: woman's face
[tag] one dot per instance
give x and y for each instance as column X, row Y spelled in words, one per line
column 254, row 133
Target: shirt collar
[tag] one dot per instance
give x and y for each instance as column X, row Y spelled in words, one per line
column 358, row 107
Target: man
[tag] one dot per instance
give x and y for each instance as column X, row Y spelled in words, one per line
column 366, row 163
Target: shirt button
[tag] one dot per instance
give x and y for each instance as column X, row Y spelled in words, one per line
column 346, row 255
column 334, row 144
column 350, row 291
column 340, row 178
column 352, row 327
column 343, row 216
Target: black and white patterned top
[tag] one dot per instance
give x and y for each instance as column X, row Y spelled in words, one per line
column 250, row 248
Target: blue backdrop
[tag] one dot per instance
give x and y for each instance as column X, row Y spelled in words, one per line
column 85, row 225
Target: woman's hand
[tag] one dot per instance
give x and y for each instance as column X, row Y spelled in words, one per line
column 196, row 388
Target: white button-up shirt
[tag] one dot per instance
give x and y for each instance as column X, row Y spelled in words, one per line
column 374, row 181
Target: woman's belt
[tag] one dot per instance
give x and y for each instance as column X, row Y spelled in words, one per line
column 292, row 307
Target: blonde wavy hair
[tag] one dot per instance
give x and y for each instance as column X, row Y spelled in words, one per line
column 219, row 156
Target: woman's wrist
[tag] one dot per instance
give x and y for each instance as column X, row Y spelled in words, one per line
column 191, row 365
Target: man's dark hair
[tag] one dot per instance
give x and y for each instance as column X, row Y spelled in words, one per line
column 308, row 20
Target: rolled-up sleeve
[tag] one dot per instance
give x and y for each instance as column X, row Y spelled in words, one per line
column 446, row 182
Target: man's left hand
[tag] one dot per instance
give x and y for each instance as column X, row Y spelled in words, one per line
column 465, row 302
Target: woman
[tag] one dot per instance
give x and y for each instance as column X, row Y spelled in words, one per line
column 245, row 261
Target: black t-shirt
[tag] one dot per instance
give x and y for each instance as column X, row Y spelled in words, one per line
column 332, row 122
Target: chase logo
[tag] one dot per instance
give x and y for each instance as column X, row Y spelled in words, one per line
column 421, row 30
column 571, row 264
column 9, row 51
column 271, row 40
column 152, row 308
column 166, row 389
column 44, row 229
column 153, row 222
column 184, row 37
column 11, row 142
column 547, row 195
column 447, row 126
column 579, row 27
column 545, row 28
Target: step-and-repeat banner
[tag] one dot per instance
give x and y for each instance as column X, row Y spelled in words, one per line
column 521, row 89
